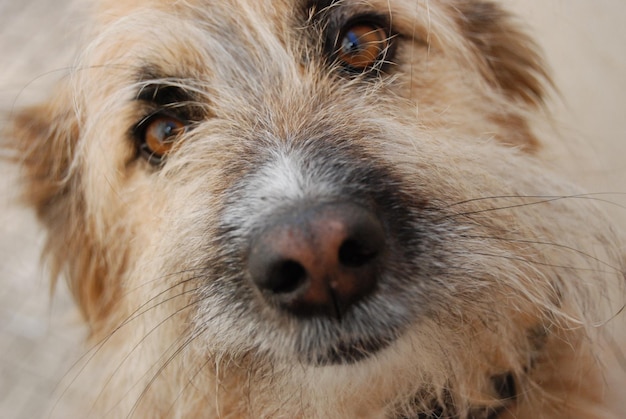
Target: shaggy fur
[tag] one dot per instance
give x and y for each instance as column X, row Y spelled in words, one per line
column 493, row 293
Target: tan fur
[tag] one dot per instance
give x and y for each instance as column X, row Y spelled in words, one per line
column 523, row 274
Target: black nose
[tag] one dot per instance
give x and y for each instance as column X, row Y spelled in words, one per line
column 319, row 260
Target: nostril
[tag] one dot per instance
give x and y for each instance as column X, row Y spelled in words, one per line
column 286, row 277
column 355, row 253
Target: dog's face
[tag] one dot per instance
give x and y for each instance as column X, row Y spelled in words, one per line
column 318, row 208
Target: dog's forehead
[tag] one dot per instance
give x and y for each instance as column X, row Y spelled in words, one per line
column 277, row 13
column 281, row 52
column 205, row 38
column 160, row 31
column 110, row 10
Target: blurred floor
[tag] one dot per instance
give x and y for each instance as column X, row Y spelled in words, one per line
column 40, row 338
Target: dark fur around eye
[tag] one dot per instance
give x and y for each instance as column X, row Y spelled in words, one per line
column 164, row 103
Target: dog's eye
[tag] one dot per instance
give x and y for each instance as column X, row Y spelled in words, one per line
column 158, row 136
column 362, row 45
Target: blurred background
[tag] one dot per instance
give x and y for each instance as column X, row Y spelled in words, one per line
column 40, row 336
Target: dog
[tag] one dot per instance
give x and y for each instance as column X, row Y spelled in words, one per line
column 320, row 209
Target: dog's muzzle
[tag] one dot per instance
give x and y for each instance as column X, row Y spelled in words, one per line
column 324, row 249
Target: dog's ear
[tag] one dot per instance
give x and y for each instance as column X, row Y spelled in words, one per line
column 509, row 59
column 44, row 141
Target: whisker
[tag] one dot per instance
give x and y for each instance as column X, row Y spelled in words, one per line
column 167, row 362
column 189, row 383
column 614, row 269
column 138, row 344
column 91, row 353
column 542, row 198
column 165, row 277
column 534, row 262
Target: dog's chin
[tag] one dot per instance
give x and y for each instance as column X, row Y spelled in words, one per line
column 350, row 352
column 348, row 341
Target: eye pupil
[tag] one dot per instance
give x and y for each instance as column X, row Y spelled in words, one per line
column 160, row 136
column 362, row 46
column 350, row 44
column 168, row 128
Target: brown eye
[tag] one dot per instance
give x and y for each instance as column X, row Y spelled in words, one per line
column 362, row 46
column 159, row 135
